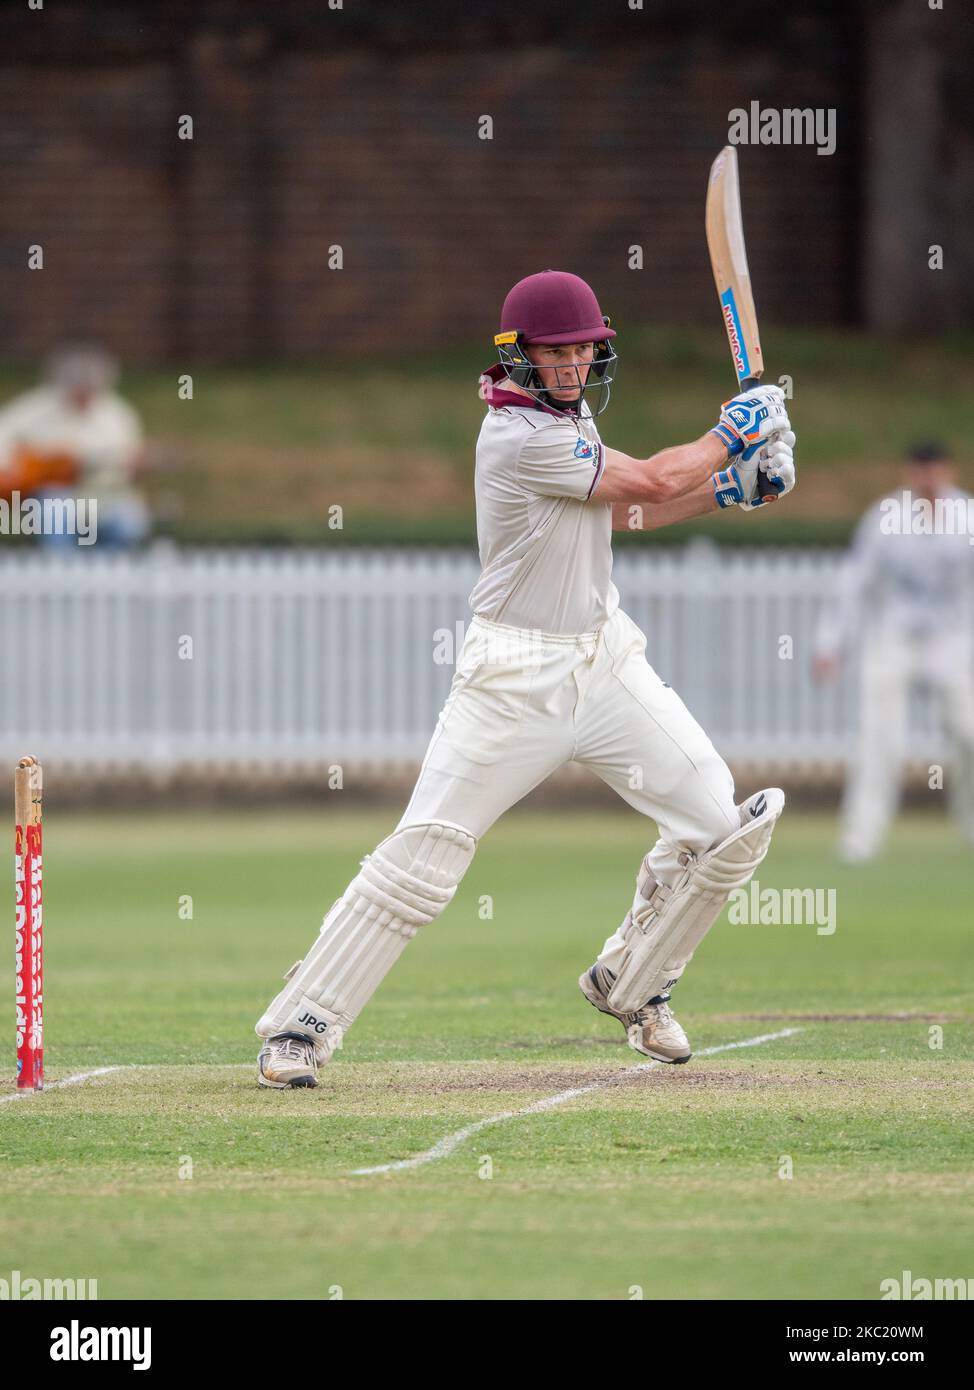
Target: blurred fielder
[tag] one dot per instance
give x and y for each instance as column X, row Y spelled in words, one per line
column 906, row 601
column 553, row 671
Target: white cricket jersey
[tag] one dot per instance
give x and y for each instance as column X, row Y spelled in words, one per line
column 904, row 576
column 104, row 438
column 545, row 547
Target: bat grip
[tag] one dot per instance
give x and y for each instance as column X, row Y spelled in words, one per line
column 766, row 487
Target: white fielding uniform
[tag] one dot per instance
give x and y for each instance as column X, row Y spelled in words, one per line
column 551, row 671
column 907, row 602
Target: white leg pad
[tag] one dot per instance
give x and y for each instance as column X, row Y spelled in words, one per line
column 406, row 882
column 667, row 923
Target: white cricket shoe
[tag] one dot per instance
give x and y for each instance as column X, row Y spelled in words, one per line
column 287, row 1059
column 651, row 1030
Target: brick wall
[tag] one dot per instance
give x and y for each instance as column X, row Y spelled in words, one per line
column 313, row 129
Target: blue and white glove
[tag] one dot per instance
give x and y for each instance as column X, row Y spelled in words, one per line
column 747, row 420
column 737, row 486
column 776, row 459
column 729, row 487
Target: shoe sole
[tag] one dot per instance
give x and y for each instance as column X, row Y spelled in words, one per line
column 657, row 1057
column 298, row 1084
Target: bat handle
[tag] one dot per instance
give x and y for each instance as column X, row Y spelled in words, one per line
column 766, row 487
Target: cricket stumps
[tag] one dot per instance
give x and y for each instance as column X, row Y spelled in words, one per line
column 29, row 929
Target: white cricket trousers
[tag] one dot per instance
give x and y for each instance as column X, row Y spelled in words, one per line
column 891, row 663
column 524, row 703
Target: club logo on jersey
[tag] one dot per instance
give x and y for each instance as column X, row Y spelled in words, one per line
column 584, row 449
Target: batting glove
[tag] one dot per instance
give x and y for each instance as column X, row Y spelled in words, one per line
column 737, row 486
column 747, row 420
column 729, row 487
column 776, row 459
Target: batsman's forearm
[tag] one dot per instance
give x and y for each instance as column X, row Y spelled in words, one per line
column 668, row 476
column 683, row 469
column 651, row 516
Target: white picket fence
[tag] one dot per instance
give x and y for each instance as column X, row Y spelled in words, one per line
column 237, row 661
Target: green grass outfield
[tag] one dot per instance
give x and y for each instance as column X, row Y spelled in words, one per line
column 665, row 1179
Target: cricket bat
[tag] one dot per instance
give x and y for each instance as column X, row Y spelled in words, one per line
column 728, row 257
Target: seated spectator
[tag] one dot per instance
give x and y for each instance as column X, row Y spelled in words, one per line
column 75, row 436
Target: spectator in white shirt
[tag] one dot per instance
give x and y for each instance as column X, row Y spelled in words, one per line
column 75, row 435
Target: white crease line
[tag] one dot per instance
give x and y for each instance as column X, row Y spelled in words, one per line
column 68, row 1081
column 445, row 1146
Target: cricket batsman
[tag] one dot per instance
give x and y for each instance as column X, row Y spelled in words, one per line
column 553, row 671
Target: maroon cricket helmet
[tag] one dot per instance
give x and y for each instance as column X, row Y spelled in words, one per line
column 555, row 307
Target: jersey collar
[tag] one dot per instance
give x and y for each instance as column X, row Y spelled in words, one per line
column 498, row 397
